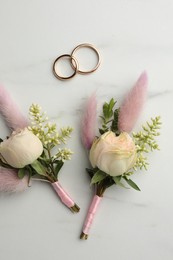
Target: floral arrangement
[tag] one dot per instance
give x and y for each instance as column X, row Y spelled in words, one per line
column 117, row 152
column 29, row 152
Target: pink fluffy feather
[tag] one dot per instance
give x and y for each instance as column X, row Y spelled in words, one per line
column 89, row 122
column 11, row 112
column 133, row 104
column 9, row 181
column 14, row 119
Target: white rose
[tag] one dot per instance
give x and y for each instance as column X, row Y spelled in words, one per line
column 113, row 154
column 21, row 148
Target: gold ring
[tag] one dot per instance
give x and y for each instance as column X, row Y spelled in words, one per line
column 75, row 67
column 86, row 45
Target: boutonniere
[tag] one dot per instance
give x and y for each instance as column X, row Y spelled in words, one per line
column 116, row 153
column 34, row 150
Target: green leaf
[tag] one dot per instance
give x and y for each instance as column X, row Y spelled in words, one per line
column 108, row 109
column 117, row 180
column 21, row 173
column 102, row 131
column 98, row 176
column 31, row 171
column 59, row 164
column 90, row 172
column 111, row 104
column 105, row 110
column 108, row 181
column 44, row 159
column 131, row 183
column 39, row 168
column 114, row 126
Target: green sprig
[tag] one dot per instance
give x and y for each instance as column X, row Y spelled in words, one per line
column 46, row 131
column 145, row 141
column 109, row 117
column 48, row 165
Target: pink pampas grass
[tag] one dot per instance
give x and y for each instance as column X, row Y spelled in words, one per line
column 89, row 122
column 11, row 112
column 133, row 104
column 10, row 182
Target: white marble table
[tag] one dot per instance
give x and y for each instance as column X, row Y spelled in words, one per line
column 131, row 36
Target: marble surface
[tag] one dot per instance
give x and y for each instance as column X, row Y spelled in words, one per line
column 131, row 36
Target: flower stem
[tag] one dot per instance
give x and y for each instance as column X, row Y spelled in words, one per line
column 90, row 217
column 65, row 198
column 83, row 236
column 75, row 208
column 100, row 189
column 50, row 158
column 39, row 179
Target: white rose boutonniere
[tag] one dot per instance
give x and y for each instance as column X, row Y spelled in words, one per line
column 31, row 152
column 117, row 152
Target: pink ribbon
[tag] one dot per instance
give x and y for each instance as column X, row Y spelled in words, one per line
column 65, row 198
column 91, row 213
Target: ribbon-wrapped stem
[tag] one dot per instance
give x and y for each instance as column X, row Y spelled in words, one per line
column 65, row 198
column 90, row 217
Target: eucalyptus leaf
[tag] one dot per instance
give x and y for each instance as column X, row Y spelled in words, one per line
column 21, row 173
column 98, row 176
column 117, row 180
column 131, row 183
column 39, row 168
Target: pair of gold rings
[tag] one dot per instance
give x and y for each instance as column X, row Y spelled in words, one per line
column 74, row 62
